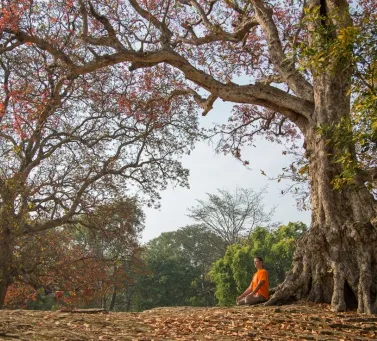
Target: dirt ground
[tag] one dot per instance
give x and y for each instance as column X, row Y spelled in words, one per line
column 301, row 321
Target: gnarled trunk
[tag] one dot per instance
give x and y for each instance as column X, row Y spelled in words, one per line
column 336, row 261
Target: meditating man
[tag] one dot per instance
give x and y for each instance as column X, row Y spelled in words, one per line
column 258, row 291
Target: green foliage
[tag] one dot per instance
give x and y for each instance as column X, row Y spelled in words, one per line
column 332, row 41
column 232, row 273
column 354, row 139
column 169, row 282
column 177, row 264
column 222, row 276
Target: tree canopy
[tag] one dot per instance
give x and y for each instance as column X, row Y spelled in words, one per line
column 71, row 143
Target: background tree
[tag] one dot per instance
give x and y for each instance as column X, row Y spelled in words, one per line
column 87, row 263
column 178, row 264
column 203, row 247
column 54, row 266
column 112, row 234
column 169, row 281
column 232, row 273
column 232, row 215
column 299, row 58
column 136, row 270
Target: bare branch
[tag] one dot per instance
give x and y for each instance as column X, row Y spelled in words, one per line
column 285, row 67
column 7, row 48
column 44, row 45
column 218, row 34
column 161, row 26
column 112, row 38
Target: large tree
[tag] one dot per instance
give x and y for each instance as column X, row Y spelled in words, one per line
column 298, row 58
column 71, row 143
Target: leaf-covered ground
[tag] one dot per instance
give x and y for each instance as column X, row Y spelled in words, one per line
column 300, row 321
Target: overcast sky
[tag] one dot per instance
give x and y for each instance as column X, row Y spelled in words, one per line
column 210, row 171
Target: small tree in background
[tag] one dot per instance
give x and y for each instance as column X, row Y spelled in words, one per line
column 168, row 281
column 232, row 215
column 112, row 234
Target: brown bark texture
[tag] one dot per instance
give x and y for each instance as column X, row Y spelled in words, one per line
column 336, row 261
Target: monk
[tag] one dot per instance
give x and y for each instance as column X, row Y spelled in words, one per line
column 258, row 291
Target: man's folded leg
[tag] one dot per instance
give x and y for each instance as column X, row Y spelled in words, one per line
column 254, row 299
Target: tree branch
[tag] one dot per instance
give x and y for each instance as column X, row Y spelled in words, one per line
column 286, row 68
column 298, row 110
column 218, row 35
column 108, row 27
column 161, row 26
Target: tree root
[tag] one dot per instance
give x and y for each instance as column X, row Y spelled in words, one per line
column 334, row 268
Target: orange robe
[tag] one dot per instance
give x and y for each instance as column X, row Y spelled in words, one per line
column 260, row 275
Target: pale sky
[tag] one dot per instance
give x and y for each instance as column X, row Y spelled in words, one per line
column 210, row 171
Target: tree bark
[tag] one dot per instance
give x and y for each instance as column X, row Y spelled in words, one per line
column 336, row 259
column 5, row 262
column 113, row 299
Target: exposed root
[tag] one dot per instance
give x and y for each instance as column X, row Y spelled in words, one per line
column 334, row 268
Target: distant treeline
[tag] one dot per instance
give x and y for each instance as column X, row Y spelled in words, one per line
column 192, row 266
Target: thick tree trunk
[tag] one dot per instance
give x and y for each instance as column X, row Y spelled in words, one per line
column 5, row 264
column 336, row 261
